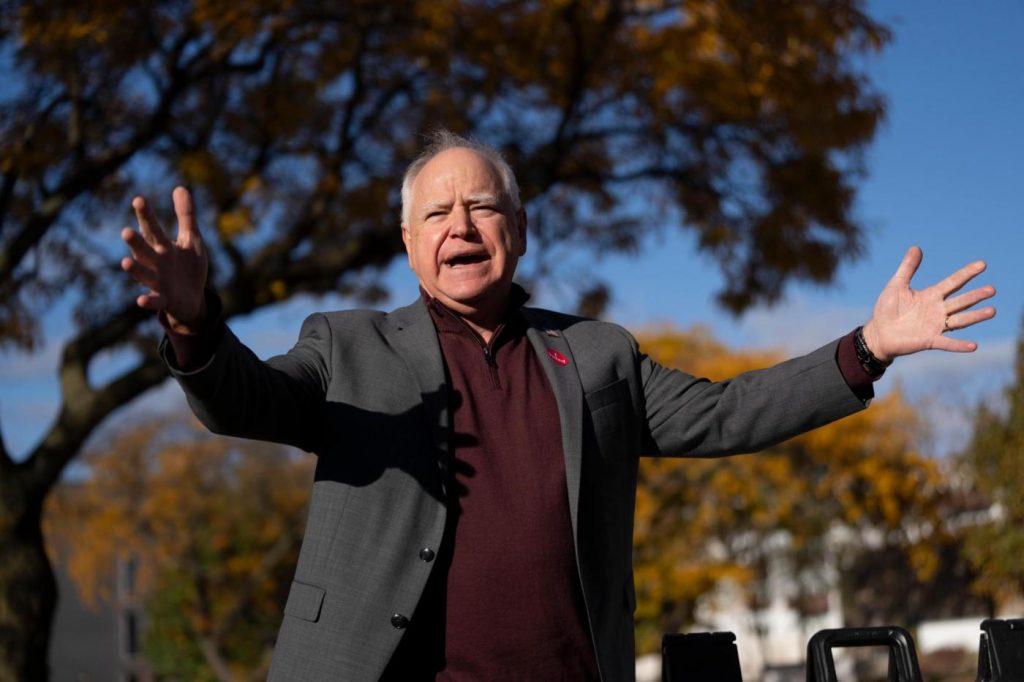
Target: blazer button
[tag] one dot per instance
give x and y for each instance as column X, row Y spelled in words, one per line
column 399, row 622
column 427, row 554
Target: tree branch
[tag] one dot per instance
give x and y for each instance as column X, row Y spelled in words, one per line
column 219, row 667
column 6, row 463
column 6, row 192
column 88, row 175
column 83, row 409
column 319, row 271
column 344, row 143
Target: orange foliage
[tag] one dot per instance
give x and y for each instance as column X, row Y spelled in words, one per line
column 223, row 516
column 702, row 521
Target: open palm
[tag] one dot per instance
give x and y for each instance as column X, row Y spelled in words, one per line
column 906, row 321
column 174, row 272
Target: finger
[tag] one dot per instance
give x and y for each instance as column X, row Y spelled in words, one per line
column 958, row 279
column 141, row 250
column 971, row 317
column 139, row 272
column 150, row 301
column 971, row 298
column 953, row 345
column 188, row 231
column 148, row 223
column 908, row 266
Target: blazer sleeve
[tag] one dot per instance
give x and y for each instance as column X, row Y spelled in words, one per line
column 691, row 416
column 235, row 393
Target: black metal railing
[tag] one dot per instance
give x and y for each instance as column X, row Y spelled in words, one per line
column 713, row 656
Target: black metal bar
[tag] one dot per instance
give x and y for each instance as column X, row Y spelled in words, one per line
column 903, row 666
column 1001, row 651
column 700, row 657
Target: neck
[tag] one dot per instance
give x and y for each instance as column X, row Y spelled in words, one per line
column 483, row 320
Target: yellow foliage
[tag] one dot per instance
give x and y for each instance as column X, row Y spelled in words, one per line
column 700, row 522
column 252, row 183
column 198, row 168
column 279, row 289
column 191, row 507
column 232, row 223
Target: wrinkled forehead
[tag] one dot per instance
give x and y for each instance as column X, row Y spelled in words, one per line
column 457, row 172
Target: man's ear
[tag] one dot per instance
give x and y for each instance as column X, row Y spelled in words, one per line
column 407, row 240
column 521, row 227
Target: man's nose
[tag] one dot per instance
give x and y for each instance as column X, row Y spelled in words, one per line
column 461, row 223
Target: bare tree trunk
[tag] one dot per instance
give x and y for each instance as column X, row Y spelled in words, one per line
column 28, row 596
column 28, row 589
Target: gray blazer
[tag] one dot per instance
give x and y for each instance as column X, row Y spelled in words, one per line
column 366, row 392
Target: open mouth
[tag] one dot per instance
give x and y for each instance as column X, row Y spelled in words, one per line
column 467, row 259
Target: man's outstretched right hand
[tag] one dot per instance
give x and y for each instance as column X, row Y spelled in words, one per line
column 174, row 272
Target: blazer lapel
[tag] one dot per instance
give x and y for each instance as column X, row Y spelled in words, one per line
column 414, row 338
column 560, row 367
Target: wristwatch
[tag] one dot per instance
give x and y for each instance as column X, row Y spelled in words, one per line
column 867, row 359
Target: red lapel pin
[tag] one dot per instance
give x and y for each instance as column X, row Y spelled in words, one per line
column 558, row 357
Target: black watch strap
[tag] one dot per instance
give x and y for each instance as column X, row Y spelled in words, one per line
column 867, row 359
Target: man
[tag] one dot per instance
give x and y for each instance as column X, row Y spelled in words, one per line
column 471, row 516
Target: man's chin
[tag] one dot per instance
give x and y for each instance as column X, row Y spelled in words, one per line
column 470, row 300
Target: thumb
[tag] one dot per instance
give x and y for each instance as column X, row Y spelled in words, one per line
column 908, row 266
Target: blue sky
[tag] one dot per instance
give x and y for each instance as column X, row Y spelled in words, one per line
column 943, row 173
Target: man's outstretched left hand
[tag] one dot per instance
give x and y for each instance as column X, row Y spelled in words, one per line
column 906, row 321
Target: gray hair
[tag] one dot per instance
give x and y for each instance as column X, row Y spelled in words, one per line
column 441, row 140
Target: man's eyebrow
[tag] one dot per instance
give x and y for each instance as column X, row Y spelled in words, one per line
column 487, row 198
column 473, row 199
column 429, row 206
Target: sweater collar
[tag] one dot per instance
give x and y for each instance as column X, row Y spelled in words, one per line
column 517, row 297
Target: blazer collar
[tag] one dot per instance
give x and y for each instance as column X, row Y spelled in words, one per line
column 568, row 390
column 410, row 331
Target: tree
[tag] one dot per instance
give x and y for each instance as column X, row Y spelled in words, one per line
column 215, row 526
column 994, row 468
column 881, row 587
column 291, row 122
column 700, row 522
